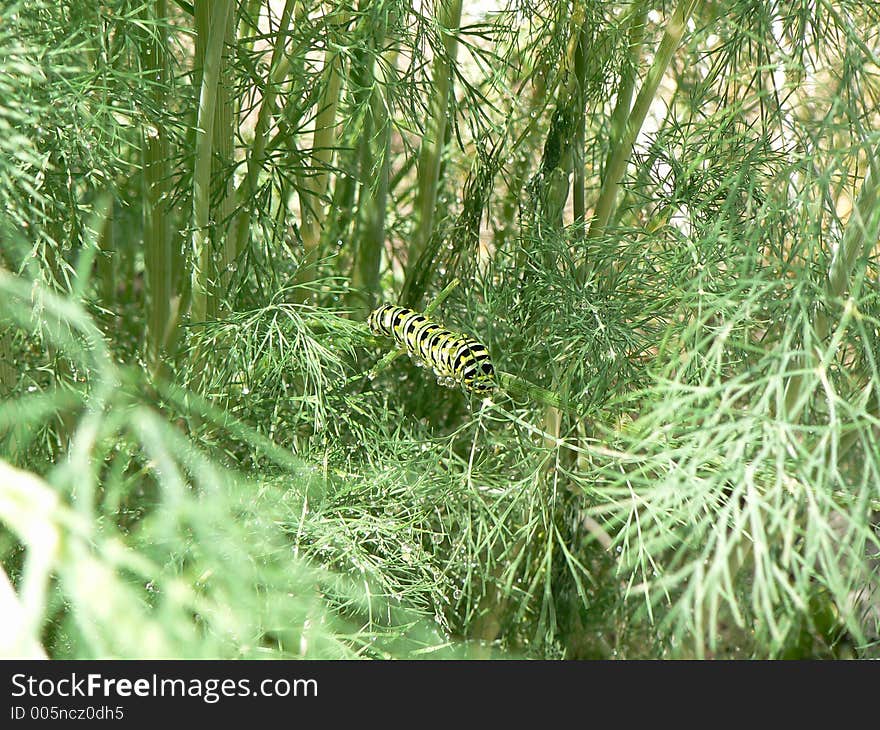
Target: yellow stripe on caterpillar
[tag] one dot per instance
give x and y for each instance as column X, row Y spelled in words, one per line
column 452, row 356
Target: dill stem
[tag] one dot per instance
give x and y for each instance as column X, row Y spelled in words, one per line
column 433, row 142
column 278, row 70
column 622, row 151
column 201, row 210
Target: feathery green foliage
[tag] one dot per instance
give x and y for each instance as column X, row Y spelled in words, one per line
column 662, row 222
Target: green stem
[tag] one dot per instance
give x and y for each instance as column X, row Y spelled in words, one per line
column 158, row 252
column 221, row 11
column 375, row 147
column 223, row 158
column 623, row 102
column 278, row 70
column 433, row 141
column 249, row 24
column 523, row 147
column 861, row 232
column 106, row 260
column 516, row 386
column 578, row 183
column 549, row 187
column 323, row 143
column 371, row 206
column 621, row 153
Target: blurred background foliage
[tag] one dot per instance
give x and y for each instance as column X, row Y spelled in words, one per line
column 661, row 218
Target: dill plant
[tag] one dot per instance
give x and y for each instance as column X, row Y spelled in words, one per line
column 663, row 222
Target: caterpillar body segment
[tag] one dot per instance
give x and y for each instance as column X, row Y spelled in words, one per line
column 453, row 357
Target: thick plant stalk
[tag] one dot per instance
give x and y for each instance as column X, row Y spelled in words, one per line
column 105, row 263
column 278, row 70
column 220, row 16
column 323, row 142
column 549, row 187
column 8, row 374
column 375, row 148
column 578, row 183
column 324, row 139
column 224, row 145
column 431, row 152
column 158, row 250
column 546, row 77
column 861, row 235
column 372, row 202
column 623, row 102
column 342, row 204
column 622, row 151
column 249, row 23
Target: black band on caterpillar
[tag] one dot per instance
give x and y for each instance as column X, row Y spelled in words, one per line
column 450, row 355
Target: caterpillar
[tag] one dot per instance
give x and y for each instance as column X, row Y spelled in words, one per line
column 453, row 357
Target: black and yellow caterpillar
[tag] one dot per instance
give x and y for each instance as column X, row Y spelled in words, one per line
column 454, row 358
